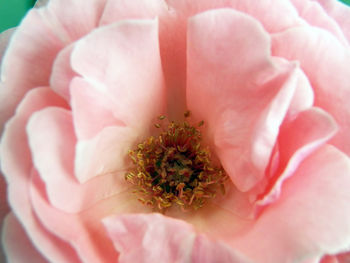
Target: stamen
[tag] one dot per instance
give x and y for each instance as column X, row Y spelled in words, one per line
column 174, row 168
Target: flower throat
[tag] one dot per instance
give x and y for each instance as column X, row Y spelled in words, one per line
column 174, row 169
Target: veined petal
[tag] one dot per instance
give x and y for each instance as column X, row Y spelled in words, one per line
column 313, row 47
column 15, row 80
column 16, row 164
column 93, row 110
column 297, row 140
column 311, row 217
column 62, row 73
column 82, row 231
column 153, row 237
column 55, row 163
column 237, row 89
column 36, row 43
column 123, row 61
column 266, row 11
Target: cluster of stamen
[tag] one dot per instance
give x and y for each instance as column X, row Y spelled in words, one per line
column 173, row 168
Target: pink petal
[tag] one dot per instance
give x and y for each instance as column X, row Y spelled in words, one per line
column 106, row 153
column 315, row 15
column 62, row 73
column 122, row 60
column 99, row 132
column 116, row 10
column 340, row 12
column 36, row 42
column 297, row 140
column 303, row 97
column 173, row 17
column 71, row 20
column 17, row 245
column 265, row 12
column 28, row 44
column 92, row 109
column 172, row 40
column 83, row 231
column 156, row 238
column 234, row 86
column 150, row 238
column 315, row 48
column 311, row 217
column 55, row 163
column 16, row 165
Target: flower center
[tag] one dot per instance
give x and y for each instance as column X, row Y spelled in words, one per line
column 174, row 169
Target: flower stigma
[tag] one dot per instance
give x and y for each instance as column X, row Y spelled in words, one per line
column 174, row 169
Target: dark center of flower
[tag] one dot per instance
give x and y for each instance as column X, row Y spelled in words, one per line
column 173, row 168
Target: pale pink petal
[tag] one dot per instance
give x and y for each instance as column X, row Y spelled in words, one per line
column 62, row 73
column 297, row 140
column 172, row 41
column 16, row 165
column 340, row 12
column 155, row 238
column 33, row 49
column 173, row 17
column 150, row 238
column 123, row 61
column 315, row 48
column 83, row 231
column 17, row 245
column 55, row 163
column 129, row 78
column 70, row 20
column 234, row 86
column 237, row 203
column 92, row 110
column 311, row 217
column 116, row 10
column 99, row 132
column 315, row 15
column 106, row 153
column 266, row 11
column 303, row 97
column 34, row 46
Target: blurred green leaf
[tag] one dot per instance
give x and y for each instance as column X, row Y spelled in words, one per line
column 12, row 11
column 346, row 1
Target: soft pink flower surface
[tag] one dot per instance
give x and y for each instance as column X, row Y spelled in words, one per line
column 82, row 82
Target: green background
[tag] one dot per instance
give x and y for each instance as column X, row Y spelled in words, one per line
column 12, row 11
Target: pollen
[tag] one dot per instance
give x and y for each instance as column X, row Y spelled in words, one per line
column 174, row 168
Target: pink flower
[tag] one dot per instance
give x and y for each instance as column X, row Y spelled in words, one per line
column 83, row 81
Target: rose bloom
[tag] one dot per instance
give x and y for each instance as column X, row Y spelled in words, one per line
column 104, row 163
